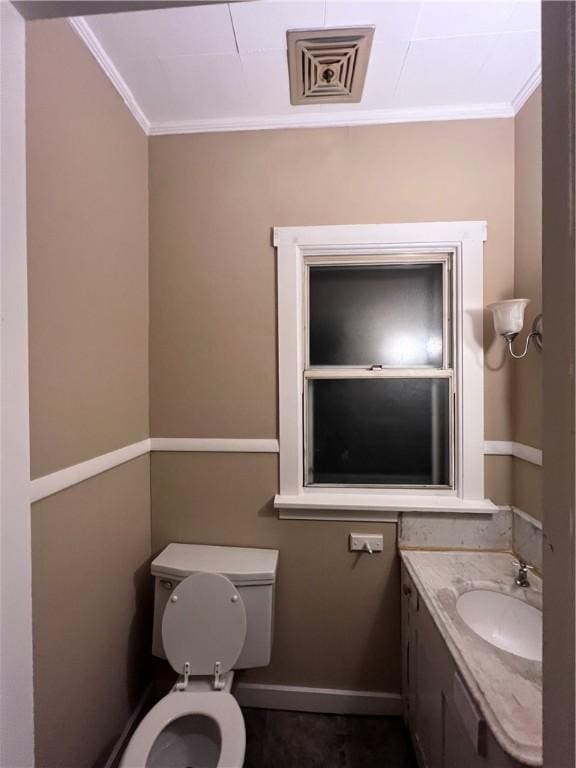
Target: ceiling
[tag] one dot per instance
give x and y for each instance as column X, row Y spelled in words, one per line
column 224, row 67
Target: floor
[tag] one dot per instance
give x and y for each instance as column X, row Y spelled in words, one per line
column 278, row 739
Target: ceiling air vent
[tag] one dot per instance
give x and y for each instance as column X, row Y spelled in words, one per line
column 328, row 66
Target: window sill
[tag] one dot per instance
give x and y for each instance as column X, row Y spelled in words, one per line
column 372, row 507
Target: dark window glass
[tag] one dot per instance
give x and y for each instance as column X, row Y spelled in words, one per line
column 387, row 315
column 379, row 431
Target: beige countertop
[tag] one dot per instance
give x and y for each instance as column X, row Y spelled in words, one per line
column 506, row 688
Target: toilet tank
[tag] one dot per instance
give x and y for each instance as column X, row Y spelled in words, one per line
column 253, row 573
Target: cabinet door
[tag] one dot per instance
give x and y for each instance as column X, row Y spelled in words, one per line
column 459, row 751
column 421, row 684
column 428, row 692
column 409, row 645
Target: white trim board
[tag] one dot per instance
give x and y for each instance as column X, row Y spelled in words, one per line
column 510, row 448
column 66, row 478
column 326, row 700
column 528, row 518
column 130, row 726
column 446, row 112
column 333, row 514
column 82, row 28
column 16, row 673
column 527, row 89
column 373, row 507
column 296, row 248
column 334, row 119
column 58, row 481
column 215, row 444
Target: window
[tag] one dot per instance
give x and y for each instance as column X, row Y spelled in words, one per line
column 381, row 369
column 378, row 379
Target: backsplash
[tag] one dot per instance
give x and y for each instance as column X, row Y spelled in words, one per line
column 508, row 529
column 527, row 538
column 456, row 531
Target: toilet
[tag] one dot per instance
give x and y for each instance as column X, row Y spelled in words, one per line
column 213, row 614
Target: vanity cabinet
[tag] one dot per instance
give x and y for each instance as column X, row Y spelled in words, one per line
column 447, row 728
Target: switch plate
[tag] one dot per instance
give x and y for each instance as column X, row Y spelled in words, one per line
column 364, row 542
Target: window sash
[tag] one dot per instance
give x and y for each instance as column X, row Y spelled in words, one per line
column 444, row 258
column 386, row 374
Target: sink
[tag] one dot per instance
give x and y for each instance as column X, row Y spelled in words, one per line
column 503, row 621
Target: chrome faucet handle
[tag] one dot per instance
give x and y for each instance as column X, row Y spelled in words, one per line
column 522, row 579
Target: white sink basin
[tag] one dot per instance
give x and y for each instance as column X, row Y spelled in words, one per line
column 504, row 621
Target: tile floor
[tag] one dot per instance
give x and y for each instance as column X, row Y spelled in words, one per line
column 278, row 739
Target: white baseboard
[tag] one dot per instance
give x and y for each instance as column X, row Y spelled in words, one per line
column 331, row 701
column 128, row 730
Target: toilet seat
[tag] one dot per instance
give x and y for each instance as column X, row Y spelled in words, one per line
column 204, row 626
column 220, row 707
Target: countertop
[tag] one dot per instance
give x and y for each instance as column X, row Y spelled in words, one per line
column 507, row 688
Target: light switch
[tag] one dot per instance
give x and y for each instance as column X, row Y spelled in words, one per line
column 366, row 542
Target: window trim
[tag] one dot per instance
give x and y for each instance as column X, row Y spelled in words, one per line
column 464, row 240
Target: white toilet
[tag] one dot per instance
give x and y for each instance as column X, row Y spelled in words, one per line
column 213, row 611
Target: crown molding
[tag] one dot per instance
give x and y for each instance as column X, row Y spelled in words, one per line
column 527, row 89
column 334, row 119
column 82, row 28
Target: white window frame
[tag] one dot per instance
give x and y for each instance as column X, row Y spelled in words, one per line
column 464, row 240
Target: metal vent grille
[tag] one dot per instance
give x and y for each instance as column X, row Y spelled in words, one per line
column 328, row 66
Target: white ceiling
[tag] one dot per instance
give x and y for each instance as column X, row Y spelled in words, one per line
column 224, row 67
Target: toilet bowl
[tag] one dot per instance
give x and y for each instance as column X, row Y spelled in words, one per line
column 189, row 729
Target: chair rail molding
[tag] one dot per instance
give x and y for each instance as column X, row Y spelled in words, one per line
column 42, row 487
column 215, row 444
column 517, row 450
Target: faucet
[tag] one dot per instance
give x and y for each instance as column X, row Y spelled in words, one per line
column 522, row 579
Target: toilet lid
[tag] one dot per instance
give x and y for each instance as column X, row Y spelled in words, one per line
column 204, row 622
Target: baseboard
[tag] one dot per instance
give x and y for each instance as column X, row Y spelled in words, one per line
column 131, row 724
column 326, row 700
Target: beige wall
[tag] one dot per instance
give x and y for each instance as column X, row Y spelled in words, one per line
column 526, row 406
column 91, row 613
column 336, row 612
column 88, row 298
column 87, row 252
column 213, row 201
